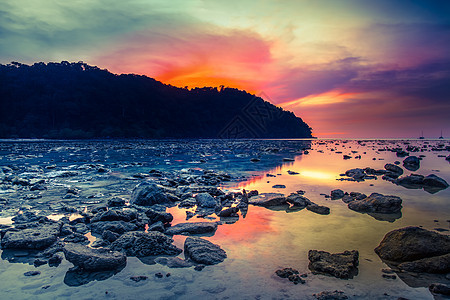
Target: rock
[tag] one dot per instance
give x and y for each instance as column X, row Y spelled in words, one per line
column 148, row 193
column 357, row 174
column 55, row 260
column 76, row 238
column 115, row 226
column 268, row 199
column 318, row 209
column 377, row 203
column 435, row 181
column 328, row 295
column 298, row 200
column 158, row 226
column 115, row 215
column 228, row 212
column 93, row 259
column 203, row 252
column 32, row 273
column 411, row 181
column 25, row 217
column 31, row 238
column 438, row 288
column 255, row 159
column 341, row 265
column 110, row 236
column 173, row 262
column 116, row 202
column 38, row 187
column 145, row 244
column 138, row 278
column 279, row 186
column 189, row 202
column 158, row 216
column 337, row 194
column 411, row 163
column 206, row 200
column 412, row 243
column 20, row 181
column 436, row 264
column 394, row 171
column 192, row 228
column 286, row 272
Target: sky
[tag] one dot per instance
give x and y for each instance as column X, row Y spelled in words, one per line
column 349, row 68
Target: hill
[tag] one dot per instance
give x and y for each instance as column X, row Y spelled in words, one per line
column 76, row 100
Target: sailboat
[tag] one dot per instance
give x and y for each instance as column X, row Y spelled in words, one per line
column 441, row 137
column 422, row 137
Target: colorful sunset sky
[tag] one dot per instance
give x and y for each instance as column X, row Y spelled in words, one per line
column 349, row 68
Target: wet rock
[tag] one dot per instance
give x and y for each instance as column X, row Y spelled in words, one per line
column 206, row 200
column 411, row 163
column 76, row 238
column 298, row 200
column 377, row 203
column 173, row 262
column 38, row 187
column 291, row 274
column 436, row 264
column 72, row 190
column 357, row 174
column 55, row 260
column 116, row 202
column 440, row 289
column 228, row 212
column 110, row 236
column 20, row 181
column 337, row 194
column 412, row 243
column 279, row 186
column 318, row 209
column 341, row 265
column 31, row 238
column 203, row 252
column 189, row 202
column 145, row 244
column 93, row 259
column 39, row 262
column 115, row 215
column 268, row 199
column 148, row 193
column 32, row 273
column 138, row 278
column 26, row 217
column 331, row 295
column 115, row 226
column 394, row 171
column 411, row 181
column 192, row 228
column 435, row 181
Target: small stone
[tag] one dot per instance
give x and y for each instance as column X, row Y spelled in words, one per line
column 139, row 278
column 159, row 275
column 32, row 273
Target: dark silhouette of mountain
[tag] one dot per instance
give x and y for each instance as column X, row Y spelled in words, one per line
column 75, row 100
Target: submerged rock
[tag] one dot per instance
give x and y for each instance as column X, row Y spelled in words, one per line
column 145, row 244
column 331, row 295
column 203, row 252
column 149, row 193
column 417, row 249
column 268, row 199
column 377, row 203
column 93, row 259
column 318, row 209
column 192, row 228
column 341, row 265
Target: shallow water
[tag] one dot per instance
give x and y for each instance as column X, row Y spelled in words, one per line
column 257, row 245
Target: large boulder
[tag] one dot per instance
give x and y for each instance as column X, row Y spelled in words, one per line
column 411, row 244
column 377, row 203
column 205, row 200
column 158, row 216
column 268, row 199
column 149, row 193
column 203, row 252
column 145, row 244
column 435, row 264
column 435, row 181
column 93, row 259
column 192, row 228
column 341, row 265
column 31, row 238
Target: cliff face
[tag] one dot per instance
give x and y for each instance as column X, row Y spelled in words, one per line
column 75, row 100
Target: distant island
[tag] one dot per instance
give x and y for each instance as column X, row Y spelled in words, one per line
column 78, row 101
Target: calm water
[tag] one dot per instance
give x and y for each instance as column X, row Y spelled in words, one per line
column 262, row 242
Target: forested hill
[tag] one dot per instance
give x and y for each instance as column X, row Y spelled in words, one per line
column 75, row 100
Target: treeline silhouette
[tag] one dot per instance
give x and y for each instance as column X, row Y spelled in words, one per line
column 77, row 101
